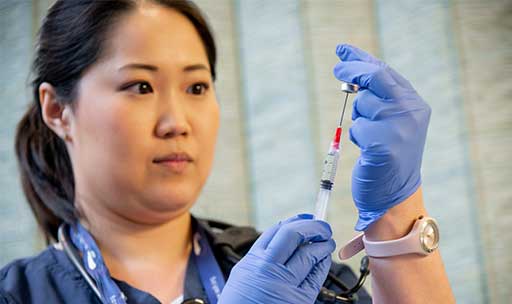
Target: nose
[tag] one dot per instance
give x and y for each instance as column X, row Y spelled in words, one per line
column 172, row 121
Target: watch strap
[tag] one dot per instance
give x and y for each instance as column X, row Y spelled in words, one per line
column 410, row 243
column 407, row 244
column 353, row 247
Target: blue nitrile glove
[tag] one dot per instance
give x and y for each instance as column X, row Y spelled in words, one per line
column 287, row 264
column 390, row 126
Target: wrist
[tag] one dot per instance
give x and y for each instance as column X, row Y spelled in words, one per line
column 398, row 220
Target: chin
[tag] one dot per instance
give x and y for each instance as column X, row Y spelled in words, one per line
column 160, row 210
column 172, row 201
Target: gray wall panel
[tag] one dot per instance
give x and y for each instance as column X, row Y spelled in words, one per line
column 278, row 125
column 17, row 227
column 483, row 36
column 417, row 39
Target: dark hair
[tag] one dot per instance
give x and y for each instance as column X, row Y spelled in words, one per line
column 70, row 40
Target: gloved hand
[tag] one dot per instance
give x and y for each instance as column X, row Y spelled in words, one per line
column 287, row 264
column 390, row 123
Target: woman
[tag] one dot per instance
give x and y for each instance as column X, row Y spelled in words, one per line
column 120, row 141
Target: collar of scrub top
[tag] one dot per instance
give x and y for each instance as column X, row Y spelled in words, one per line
column 210, row 273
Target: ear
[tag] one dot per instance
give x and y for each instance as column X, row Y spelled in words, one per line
column 57, row 116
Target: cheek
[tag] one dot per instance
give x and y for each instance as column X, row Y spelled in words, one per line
column 111, row 141
column 209, row 126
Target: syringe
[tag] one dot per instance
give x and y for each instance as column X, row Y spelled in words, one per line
column 331, row 161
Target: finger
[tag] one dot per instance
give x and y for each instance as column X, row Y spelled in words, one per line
column 291, row 235
column 265, row 238
column 372, row 135
column 302, row 262
column 369, row 105
column 355, row 114
column 368, row 76
column 355, row 131
column 347, row 52
column 316, row 278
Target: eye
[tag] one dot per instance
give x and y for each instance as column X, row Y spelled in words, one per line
column 141, row 87
column 198, row 88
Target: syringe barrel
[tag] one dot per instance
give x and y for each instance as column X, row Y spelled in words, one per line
column 322, row 202
column 329, row 169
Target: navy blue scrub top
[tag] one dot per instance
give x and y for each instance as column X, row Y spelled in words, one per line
column 50, row 277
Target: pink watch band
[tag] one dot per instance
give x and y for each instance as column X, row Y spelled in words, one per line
column 352, row 247
column 407, row 244
column 413, row 242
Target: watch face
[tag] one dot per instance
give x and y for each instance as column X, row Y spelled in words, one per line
column 429, row 235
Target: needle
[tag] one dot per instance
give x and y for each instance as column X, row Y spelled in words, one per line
column 343, row 112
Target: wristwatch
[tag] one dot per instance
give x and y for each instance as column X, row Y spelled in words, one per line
column 423, row 239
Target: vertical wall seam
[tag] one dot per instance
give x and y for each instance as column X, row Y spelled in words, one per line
column 376, row 25
column 311, row 88
column 241, row 109
column 36, row 9
column 245, row 114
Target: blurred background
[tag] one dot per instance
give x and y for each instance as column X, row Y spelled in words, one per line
column 280, row 105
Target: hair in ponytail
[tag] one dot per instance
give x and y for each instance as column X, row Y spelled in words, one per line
column 46, row 172
column 70, row 40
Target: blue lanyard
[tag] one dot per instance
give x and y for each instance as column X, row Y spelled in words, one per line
column 209, row 271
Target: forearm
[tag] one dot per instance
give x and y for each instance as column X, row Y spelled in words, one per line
column 407, row 278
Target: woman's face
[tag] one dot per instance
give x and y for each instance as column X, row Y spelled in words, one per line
column 149, row 98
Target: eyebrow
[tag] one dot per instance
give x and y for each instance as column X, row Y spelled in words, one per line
column 152, row 68
column 195, row 67
column 142, row 66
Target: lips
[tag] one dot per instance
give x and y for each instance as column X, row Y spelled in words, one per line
column 176, row 162
column 177, row 157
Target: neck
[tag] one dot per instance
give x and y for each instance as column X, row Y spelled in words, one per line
column 129, row 248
